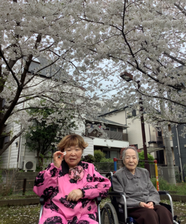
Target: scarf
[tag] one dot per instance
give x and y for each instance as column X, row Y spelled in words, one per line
column 76, row 173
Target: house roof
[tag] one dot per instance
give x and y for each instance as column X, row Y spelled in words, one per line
column 113, row 111
column 105, row 121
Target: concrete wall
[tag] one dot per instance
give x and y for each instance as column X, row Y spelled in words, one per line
column 20, row 180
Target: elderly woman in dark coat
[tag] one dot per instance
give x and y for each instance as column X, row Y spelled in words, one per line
column 142, row 197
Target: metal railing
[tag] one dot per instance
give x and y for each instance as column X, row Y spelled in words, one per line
column 110, row 135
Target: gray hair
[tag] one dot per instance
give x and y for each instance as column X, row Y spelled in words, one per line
column 129, row 147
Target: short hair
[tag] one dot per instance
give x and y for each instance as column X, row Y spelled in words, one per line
column 130, row 147
column 71, row 140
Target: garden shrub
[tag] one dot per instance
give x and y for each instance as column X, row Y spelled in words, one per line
column 98, row 155
column 164, row 185
column 104, row 167
column 88, row 158
column 106, row 160
column 142, row 157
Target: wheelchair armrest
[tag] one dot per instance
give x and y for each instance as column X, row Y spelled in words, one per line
column 42, row 201
column 163, row 192
column 116, row 194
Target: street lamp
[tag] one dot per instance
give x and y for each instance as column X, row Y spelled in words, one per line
column 129, row 77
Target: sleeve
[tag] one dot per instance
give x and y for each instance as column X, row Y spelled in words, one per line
column 96, row 186
column 46, row 181
column 118, row 186
column 153, row 193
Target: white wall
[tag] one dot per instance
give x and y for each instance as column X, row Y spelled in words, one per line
column 5, row 157
column 110, row 143
column 90, row 147
column 119, row 117
column 81, row 131
column 134, row 128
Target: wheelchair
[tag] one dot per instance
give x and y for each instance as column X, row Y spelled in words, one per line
column 116, row 213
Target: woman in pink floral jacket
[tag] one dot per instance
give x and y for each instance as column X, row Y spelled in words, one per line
column 70, row 186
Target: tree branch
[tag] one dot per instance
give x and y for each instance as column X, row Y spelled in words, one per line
column 11, row 141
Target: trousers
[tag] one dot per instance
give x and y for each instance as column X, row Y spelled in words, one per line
column 158, row 215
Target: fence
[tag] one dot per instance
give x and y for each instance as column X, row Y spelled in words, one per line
column 162, row 170
column 17, row 182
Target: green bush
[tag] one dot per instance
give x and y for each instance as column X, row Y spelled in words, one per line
column 98, row 155
column 142, row 157
column 104, row 167
column 153, row 180
column 88, row 158
column 165, row 186
column 177, row 176
column 106, row 160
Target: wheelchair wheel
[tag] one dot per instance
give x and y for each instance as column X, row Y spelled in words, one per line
column 108, row 214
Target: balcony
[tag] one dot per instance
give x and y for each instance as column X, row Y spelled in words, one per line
column 110, row 135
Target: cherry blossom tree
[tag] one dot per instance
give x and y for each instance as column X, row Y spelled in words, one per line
column 145, row 39
column 34, row 30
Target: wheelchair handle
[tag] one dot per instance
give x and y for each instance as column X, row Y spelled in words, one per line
column 98, row 200
column 108, row 175
column 42, row 201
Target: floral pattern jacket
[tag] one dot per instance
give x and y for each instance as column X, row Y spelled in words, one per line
column 54, row 184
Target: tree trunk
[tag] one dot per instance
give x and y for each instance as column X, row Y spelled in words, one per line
column 168, row 150
column 169, row 157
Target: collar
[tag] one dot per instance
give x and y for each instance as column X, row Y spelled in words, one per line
column 65, row 167
column 130, row 175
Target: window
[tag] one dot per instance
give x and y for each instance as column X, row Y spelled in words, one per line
column 113, row 128
column 120, row 129
column 134, row 113
column 3, row 140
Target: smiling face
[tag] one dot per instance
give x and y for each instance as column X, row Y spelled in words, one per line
column 130, row 160
column 73, row 155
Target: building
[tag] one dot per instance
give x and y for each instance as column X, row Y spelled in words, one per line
column 154, row 139
column 108, row 136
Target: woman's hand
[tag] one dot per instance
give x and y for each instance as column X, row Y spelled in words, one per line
column 149, row 205
column 57, row 158
column 75, row 195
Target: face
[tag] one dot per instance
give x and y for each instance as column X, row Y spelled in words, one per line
column 130, row 160
column 73, row 156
